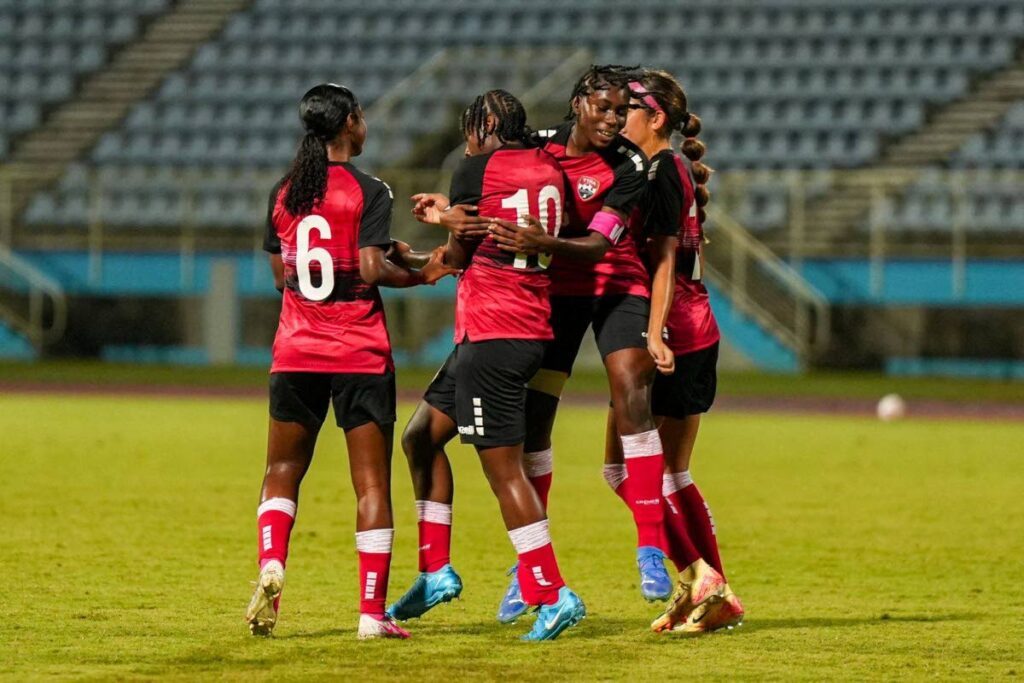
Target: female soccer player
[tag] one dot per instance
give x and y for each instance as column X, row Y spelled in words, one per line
column 501, row 326
column 686, row 386
column 597, row 278
column 328, row 230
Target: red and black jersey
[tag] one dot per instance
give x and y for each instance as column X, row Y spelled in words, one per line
column 502, row 295
column 669, row 208
column 331, row 321
column 614, row 177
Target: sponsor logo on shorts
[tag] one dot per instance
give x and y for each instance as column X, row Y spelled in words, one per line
column 467, row 431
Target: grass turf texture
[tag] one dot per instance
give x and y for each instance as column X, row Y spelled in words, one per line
column 856, row 385
column 861, row 550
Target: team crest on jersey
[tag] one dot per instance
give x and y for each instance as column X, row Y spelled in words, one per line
column 587, row 187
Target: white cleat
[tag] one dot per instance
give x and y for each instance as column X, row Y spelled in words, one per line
column 262, row 613
column 380, row 627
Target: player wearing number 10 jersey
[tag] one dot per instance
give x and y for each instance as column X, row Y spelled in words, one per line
column 501, row 327
column 327, row 233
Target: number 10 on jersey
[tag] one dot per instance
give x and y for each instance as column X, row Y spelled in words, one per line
column 520, row 202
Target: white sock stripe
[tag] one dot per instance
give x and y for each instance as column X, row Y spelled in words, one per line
column 539, row 463
column 375, row 540
column 641, row 445
column 614, row 475
column 284, row 505
column 668, row 484
column 530, row 537
column 432, row 511
column 682, row 479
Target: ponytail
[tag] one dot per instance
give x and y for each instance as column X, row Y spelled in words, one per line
column 307, row 179
column 694, row 149
column 324, row 111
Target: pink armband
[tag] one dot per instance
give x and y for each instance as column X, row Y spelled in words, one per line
column 609, row 225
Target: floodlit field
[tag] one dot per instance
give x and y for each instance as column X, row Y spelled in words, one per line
column 861, row 550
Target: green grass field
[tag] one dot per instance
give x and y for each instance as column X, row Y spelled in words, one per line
column 862, row 550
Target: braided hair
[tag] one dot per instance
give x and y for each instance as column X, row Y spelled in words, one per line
column 601, row 77
column 506, row 108
column 671, row 97
column 324, row 111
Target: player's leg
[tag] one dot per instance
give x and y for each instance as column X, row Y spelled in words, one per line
column 681, row 398
column 431, row 427
column 619, row 326
column 570, row 318
column 298, row 405
column 490, row 404
column 364, row 406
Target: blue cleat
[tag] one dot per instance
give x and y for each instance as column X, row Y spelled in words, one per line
column 512, row 606
column 429, row 590
column 553, row 619
column 654, row 581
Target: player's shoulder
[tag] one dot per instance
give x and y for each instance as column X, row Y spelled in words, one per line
column 370, row 184
column 666, row 166
column 624, row 156
column 558, row 135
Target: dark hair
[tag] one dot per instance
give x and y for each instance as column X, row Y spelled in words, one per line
column 324, row 110
column 506, row 108
column 602, row 77
column 671, row 97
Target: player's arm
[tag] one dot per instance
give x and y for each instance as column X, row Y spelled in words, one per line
column 375, row 243
column 458, row 253
column 271, row 241
column 376, row 269
column 662, row 250
column 606, row 229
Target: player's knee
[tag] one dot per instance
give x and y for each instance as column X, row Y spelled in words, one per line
column 286, row 470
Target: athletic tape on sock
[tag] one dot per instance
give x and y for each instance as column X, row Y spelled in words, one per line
column 375, row 540
column 641, row 445
column 539, row 463
column 614, row 475
column 432, row 511
column 530, row 537
column 284, row 505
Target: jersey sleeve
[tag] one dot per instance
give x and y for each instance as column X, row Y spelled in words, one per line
column 468, row 180
column 630, row 179
column 666, row 199
column 271, row 242
column 375, row 223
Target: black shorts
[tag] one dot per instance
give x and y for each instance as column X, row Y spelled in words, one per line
column 358, row 398
column 619, row 320
column 690, row 390
column 482, row 388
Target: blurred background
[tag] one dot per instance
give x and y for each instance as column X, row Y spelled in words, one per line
column 867, row 212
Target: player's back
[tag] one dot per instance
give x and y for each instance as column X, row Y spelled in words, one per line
column 331, row 320
column 504, row 295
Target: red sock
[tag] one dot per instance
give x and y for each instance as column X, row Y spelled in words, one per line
column 274, row 520
column 644, row 466
column 538, row 467
column 679, row 546
column 435, row 526
column 539, row 578
column 374, row 548
column 699, row 521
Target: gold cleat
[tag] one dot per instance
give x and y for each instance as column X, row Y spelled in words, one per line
column 262, row 611
column 698, row 585
column 713, row 616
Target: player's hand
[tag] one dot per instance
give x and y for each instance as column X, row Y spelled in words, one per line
column 664, row 359
column 459, row 222
column 529, row 240
column 436, row 267
column 428, row 207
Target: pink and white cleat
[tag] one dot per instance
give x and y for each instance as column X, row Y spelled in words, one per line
column 382, row 626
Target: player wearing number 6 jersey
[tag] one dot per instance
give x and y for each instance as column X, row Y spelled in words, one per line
column 328, row 233
column 501, row 327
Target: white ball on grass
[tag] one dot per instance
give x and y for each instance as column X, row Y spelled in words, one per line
column 891, row 407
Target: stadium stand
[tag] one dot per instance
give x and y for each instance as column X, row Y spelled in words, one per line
column 787, row 85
